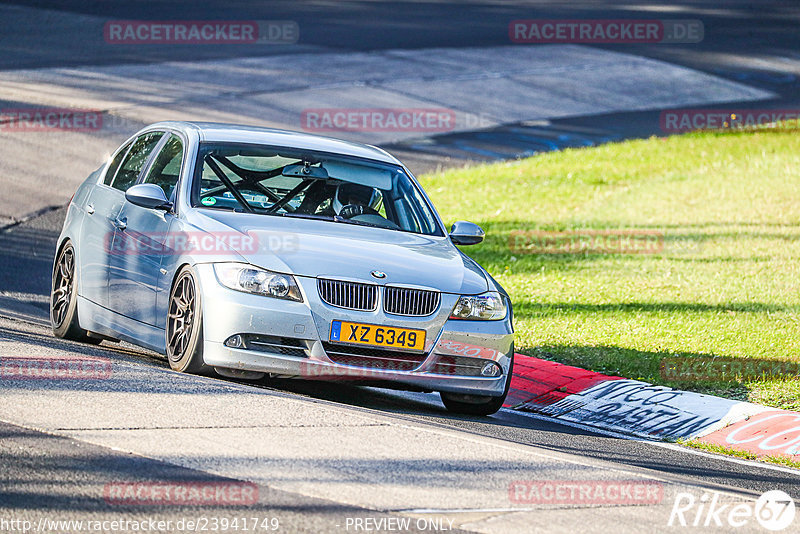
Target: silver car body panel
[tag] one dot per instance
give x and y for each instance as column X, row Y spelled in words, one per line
column 125, row 296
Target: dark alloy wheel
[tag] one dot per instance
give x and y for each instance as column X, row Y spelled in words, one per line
column 64, row 298
column 184, row 326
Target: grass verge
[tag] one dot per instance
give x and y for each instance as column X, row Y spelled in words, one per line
column 711, row 273
column 717, row 449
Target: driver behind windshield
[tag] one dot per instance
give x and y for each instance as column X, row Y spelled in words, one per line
column 352, row 200
column 344, row 200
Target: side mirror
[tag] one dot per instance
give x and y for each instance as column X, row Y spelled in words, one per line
column 148, row 196
column 466, row 233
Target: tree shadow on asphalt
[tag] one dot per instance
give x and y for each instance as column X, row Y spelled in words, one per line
column 26, row 254
column 131, row 376
column 50, row 474
column 132, row 369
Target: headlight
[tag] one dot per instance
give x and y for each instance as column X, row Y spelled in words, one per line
column 251, row 279
column 487, row 307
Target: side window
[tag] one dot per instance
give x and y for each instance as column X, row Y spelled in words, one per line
column 135, row 160
column 114, row 165
column 167, row 166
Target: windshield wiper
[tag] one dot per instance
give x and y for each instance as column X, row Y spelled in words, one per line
column 332, row 218
column 335, row 218
column 307, row 216
column 359, row 223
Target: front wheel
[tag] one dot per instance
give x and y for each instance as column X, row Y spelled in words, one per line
column 185, row 325
column 476, row 404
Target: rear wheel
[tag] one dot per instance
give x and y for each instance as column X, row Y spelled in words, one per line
column 64, row 298
column 476, row 404
column 185, row 326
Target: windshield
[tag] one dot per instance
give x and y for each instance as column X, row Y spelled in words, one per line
column 289, row 183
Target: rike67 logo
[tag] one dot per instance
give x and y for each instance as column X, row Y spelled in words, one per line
column 774, row 510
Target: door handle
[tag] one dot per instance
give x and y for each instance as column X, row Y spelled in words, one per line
column 121, row 223
column 89, row 209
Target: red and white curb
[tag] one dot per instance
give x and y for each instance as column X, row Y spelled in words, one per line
column 645, row 410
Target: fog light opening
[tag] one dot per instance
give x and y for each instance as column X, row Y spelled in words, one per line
column 491, row 369
column 235, row 342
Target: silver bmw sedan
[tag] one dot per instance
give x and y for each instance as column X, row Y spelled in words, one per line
column 245, row 251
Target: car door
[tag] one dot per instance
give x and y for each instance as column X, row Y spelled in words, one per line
column 97, row 233
column 106, row 200
column 141, row 234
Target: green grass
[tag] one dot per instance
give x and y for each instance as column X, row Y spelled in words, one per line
column 717, row 449
column 727, row 283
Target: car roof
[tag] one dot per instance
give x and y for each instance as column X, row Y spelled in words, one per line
column 238, row 133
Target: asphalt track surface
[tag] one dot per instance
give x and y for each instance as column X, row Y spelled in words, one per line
column 744, row 28
column 47, row 474
column 52, row 466
column 751, row 42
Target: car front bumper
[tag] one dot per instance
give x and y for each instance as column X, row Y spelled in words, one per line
column 454, row 349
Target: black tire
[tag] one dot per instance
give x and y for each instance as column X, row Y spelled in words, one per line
column 184, row 331
column 64, row 298
column 475, row 404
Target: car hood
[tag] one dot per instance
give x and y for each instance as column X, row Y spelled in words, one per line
column 326, row 249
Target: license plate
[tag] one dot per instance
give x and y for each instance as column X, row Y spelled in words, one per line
column 377, row 336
